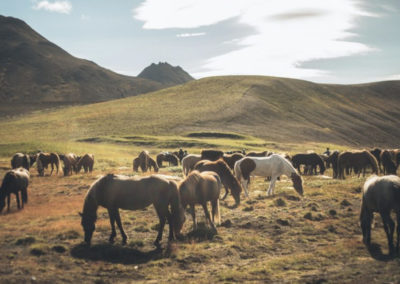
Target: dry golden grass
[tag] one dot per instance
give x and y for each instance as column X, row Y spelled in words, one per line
column 269, row 241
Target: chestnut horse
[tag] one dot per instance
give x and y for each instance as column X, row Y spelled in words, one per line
column 14, row 181
column 115, row 191
column 199, row 188
column 44, row 159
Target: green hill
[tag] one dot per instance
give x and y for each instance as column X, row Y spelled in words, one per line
column 36, row 71
column 274, row 109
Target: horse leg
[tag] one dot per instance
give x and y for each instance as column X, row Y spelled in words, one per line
column 398, row 231
column 8, row 202
column 271, row 187
column 162, row 215
column 111, row 214
column 388, row 225
column 214, row 208
column 52, row 168
column 208, row 215
column 245, row 183
column 193, row 213
column 18, row 201
column 121, row 229
column 226, row 193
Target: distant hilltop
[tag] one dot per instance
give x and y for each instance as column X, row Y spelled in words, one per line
column 165, row 74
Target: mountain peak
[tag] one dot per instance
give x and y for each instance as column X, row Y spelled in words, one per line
column 165, row 73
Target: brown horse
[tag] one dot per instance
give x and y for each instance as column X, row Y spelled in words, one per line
column 189, row 162
column 389, row 166
column 257, row 154
column 227, row 178
column 381, row 194
column 311, row 160
column 87, row 162
column 377, row 154
column 357, row 160
column 167, row 157
column 232, row 159
column 153, row 164
column 180, row 154
column 14, row 181
column 211, row 155
column 44, row 159
column 199, row 188
column 70, row 160
column 114, row 192
column 20, row 160
column 141, row 161
column 332, row 160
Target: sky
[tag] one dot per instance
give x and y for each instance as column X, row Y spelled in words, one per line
column 326, row 41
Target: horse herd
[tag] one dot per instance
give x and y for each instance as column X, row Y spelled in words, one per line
column 204, row 176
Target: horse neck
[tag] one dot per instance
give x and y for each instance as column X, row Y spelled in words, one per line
column 288, row 169
column 90, row 206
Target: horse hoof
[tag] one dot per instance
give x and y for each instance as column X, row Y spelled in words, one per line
column 124, row 241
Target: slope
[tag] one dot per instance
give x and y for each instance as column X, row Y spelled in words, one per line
column 275, row 109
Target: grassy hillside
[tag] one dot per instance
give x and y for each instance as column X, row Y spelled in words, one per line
column 165, row 74
column 274, row 109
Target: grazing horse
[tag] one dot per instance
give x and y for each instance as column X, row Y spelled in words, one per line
column 87, row 162
column 232, row 159
column 141, row 161
column 358, row 160
column 227, row 178
column 167, row 157
column 389, row 166
column 309, row 160
column 272, row 166
column 382, row 195
column 20, row 160
column 211, row 155
column 332, row 160
column 199, row 188
column 115, row 191
column 70, row 160
column 257, row 154
column 44, row 159
column 153, row 164
column 14, row 181
column 189, row 162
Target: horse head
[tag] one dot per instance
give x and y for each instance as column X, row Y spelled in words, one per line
column 297, row 183
column 88, row 224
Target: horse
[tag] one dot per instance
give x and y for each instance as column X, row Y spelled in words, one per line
column 236, row 151
column 199, row 188
column 14, row 181
column 377, row 154
column 153, row 164
column 332, row 160
column 70, row 160
column 211, row 155
column 358, row 160
column 257, row 154
column 311, row 160
column 44, row 159
column 180, row 154
column 389, row 166
column 272, row 166
column 20, row 160
column 232, row 159
column 227, row 178
column 115, row 191
column 141, row 161
column 168, row 157
column 382, row 195
column 189, row 162
column 87, row 162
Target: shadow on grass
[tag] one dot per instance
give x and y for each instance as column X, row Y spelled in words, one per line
column 375, row 251
column 202, row 233
column 115, row 254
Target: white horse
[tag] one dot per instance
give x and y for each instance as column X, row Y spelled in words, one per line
column 272, row 166
column 188, row 163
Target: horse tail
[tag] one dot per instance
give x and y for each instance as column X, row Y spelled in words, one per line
column 237, row 171
column 25, row 162
column 58, row 161
column 373, row 161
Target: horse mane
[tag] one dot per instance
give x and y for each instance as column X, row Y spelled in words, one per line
column 97, row 188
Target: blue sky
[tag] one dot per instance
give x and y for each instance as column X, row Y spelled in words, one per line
column 332, row 41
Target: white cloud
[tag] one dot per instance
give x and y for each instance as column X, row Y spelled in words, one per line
column 392, row 77
column 63, row 7
column 287, row 32
column 190, row 34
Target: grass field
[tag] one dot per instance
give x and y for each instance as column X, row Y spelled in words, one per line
column 277, row 239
